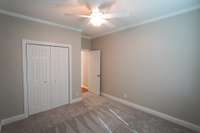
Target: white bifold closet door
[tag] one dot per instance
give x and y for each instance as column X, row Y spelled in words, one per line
column 48, row 81
column 59, row 76
column 38, row 78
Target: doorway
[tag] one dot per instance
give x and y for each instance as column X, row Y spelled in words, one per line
column 90, row 71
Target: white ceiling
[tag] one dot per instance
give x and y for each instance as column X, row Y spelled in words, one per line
column 142, row 10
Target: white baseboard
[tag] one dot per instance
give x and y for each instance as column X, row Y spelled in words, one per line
column 155, row 113
column 23, row 116
column 13, row 119
column 76, row 100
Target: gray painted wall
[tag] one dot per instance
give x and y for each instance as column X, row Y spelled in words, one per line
column 12, row 31
column 85, row 44
column 156, row 65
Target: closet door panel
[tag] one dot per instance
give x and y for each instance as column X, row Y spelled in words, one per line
column 59, row 76
column 38, row 78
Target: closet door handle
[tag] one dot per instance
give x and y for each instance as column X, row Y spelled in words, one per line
column 44, row 82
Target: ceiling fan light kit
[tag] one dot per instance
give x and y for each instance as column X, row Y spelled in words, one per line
column 97, row 14
column 96, row 18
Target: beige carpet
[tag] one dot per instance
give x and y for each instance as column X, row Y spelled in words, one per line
column 94, row 115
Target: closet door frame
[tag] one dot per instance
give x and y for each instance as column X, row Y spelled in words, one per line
column 26, row 42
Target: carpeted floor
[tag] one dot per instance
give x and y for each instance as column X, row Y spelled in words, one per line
column 94, row 115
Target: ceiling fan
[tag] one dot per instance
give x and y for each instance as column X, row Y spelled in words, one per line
column 98, row 12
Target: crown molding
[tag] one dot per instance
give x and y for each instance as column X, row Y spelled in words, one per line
column 17, row 15
column 183, row 11
column 101, row 34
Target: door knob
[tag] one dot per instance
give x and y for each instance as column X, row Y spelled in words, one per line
column 45, row 82
column 98, row 75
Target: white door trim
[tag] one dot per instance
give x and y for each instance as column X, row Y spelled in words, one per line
column 24, row 55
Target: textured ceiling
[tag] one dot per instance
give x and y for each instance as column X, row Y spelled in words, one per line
column 142, row 10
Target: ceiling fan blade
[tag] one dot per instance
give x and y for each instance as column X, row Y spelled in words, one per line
column 74, row 9
column 116, row 15
column 86, row 3
column 72, row 6
column 106, row 22
column 77, row 15
column 107, row 5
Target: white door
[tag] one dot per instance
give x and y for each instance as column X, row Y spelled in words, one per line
column 48, row 77
column 59, row 76
column 94, row 72
column 38, row 78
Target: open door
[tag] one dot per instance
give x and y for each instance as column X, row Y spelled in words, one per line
column 94, row 72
